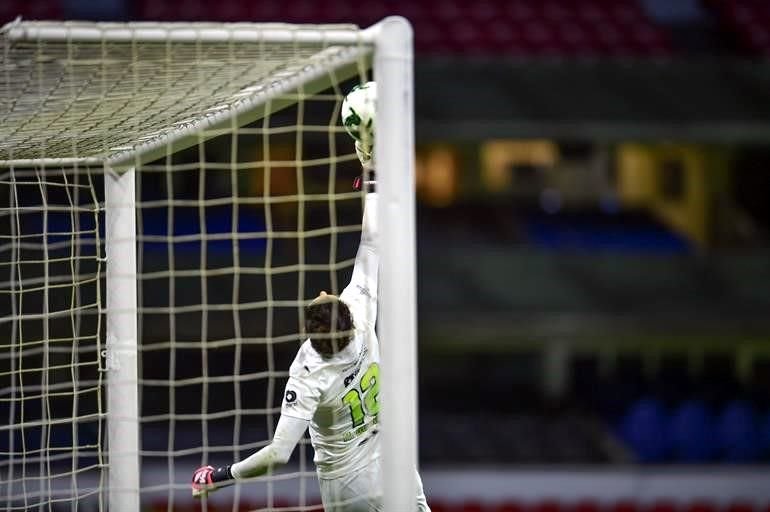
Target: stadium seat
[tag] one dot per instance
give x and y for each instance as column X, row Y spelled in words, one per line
column 471, row 506
column 643, row 429
column 30, row 9
column 547, row 506
column 662, row 506
column 508, row 506
column 690, row 433
column 764, row 436
column 624, row 506
column 439, row 506
column 586, row 506
column 748, row 21
column 740, row 506
column 737, row 434
column 700, row 506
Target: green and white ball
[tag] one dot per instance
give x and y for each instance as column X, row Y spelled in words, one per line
column 358, row 113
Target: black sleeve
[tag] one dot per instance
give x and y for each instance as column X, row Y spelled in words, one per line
column 221, row 474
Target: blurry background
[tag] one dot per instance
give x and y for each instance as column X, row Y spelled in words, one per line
column 593, row 243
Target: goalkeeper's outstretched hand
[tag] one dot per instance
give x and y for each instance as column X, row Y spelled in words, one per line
column 367, row 178
column 206, row 479
column 202, row 483
column 358, row 118
column 365, row 154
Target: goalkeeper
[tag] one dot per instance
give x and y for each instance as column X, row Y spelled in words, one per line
column 334, row 379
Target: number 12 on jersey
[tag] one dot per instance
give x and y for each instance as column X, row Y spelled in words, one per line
column 370, row 388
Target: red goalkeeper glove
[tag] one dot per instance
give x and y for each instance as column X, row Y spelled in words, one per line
column 367, row 179
column 206, row 479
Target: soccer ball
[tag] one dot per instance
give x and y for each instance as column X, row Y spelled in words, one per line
column 358, row 113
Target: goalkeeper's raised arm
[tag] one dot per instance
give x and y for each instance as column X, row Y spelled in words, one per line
column 360, row 295
column 358, row 117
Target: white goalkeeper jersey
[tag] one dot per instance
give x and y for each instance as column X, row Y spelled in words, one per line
column 339, row 394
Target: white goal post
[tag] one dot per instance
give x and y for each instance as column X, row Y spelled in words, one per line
column 118, row 117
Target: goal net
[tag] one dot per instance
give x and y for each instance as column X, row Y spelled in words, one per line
column 171, row 196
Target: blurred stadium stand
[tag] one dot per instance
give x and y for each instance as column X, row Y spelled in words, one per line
column 31, row 9
column 543, row 505
column 557, row 27
column 592, row 506
column 746, row 23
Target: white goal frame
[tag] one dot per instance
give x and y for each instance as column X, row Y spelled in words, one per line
column 390, row 42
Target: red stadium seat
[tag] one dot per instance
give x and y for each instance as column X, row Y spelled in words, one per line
column 557, row 11
column 465, row 37
column 233, row 10
column 414, row 12
column 519, row 11
column 749, row 21
column 592, row 12
column 740, row 507
column 446, row 10
column 547, row 506
column 30, row 9
column 483, row 12
column 471, row 506
column 299, row 11
column 509, row 506
column 700, row 506
column 586, row 506
column 662, row 506
column 439, row 506
column 624, row 506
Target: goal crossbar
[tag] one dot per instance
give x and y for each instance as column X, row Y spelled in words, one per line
column 146, row 31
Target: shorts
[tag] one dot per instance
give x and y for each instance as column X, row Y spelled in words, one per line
column 362, row 492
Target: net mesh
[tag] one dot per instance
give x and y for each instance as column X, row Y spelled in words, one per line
column 237, row 228
column 50, row 380
column 115, row 95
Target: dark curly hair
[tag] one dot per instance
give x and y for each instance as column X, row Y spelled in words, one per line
column 320, row 315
